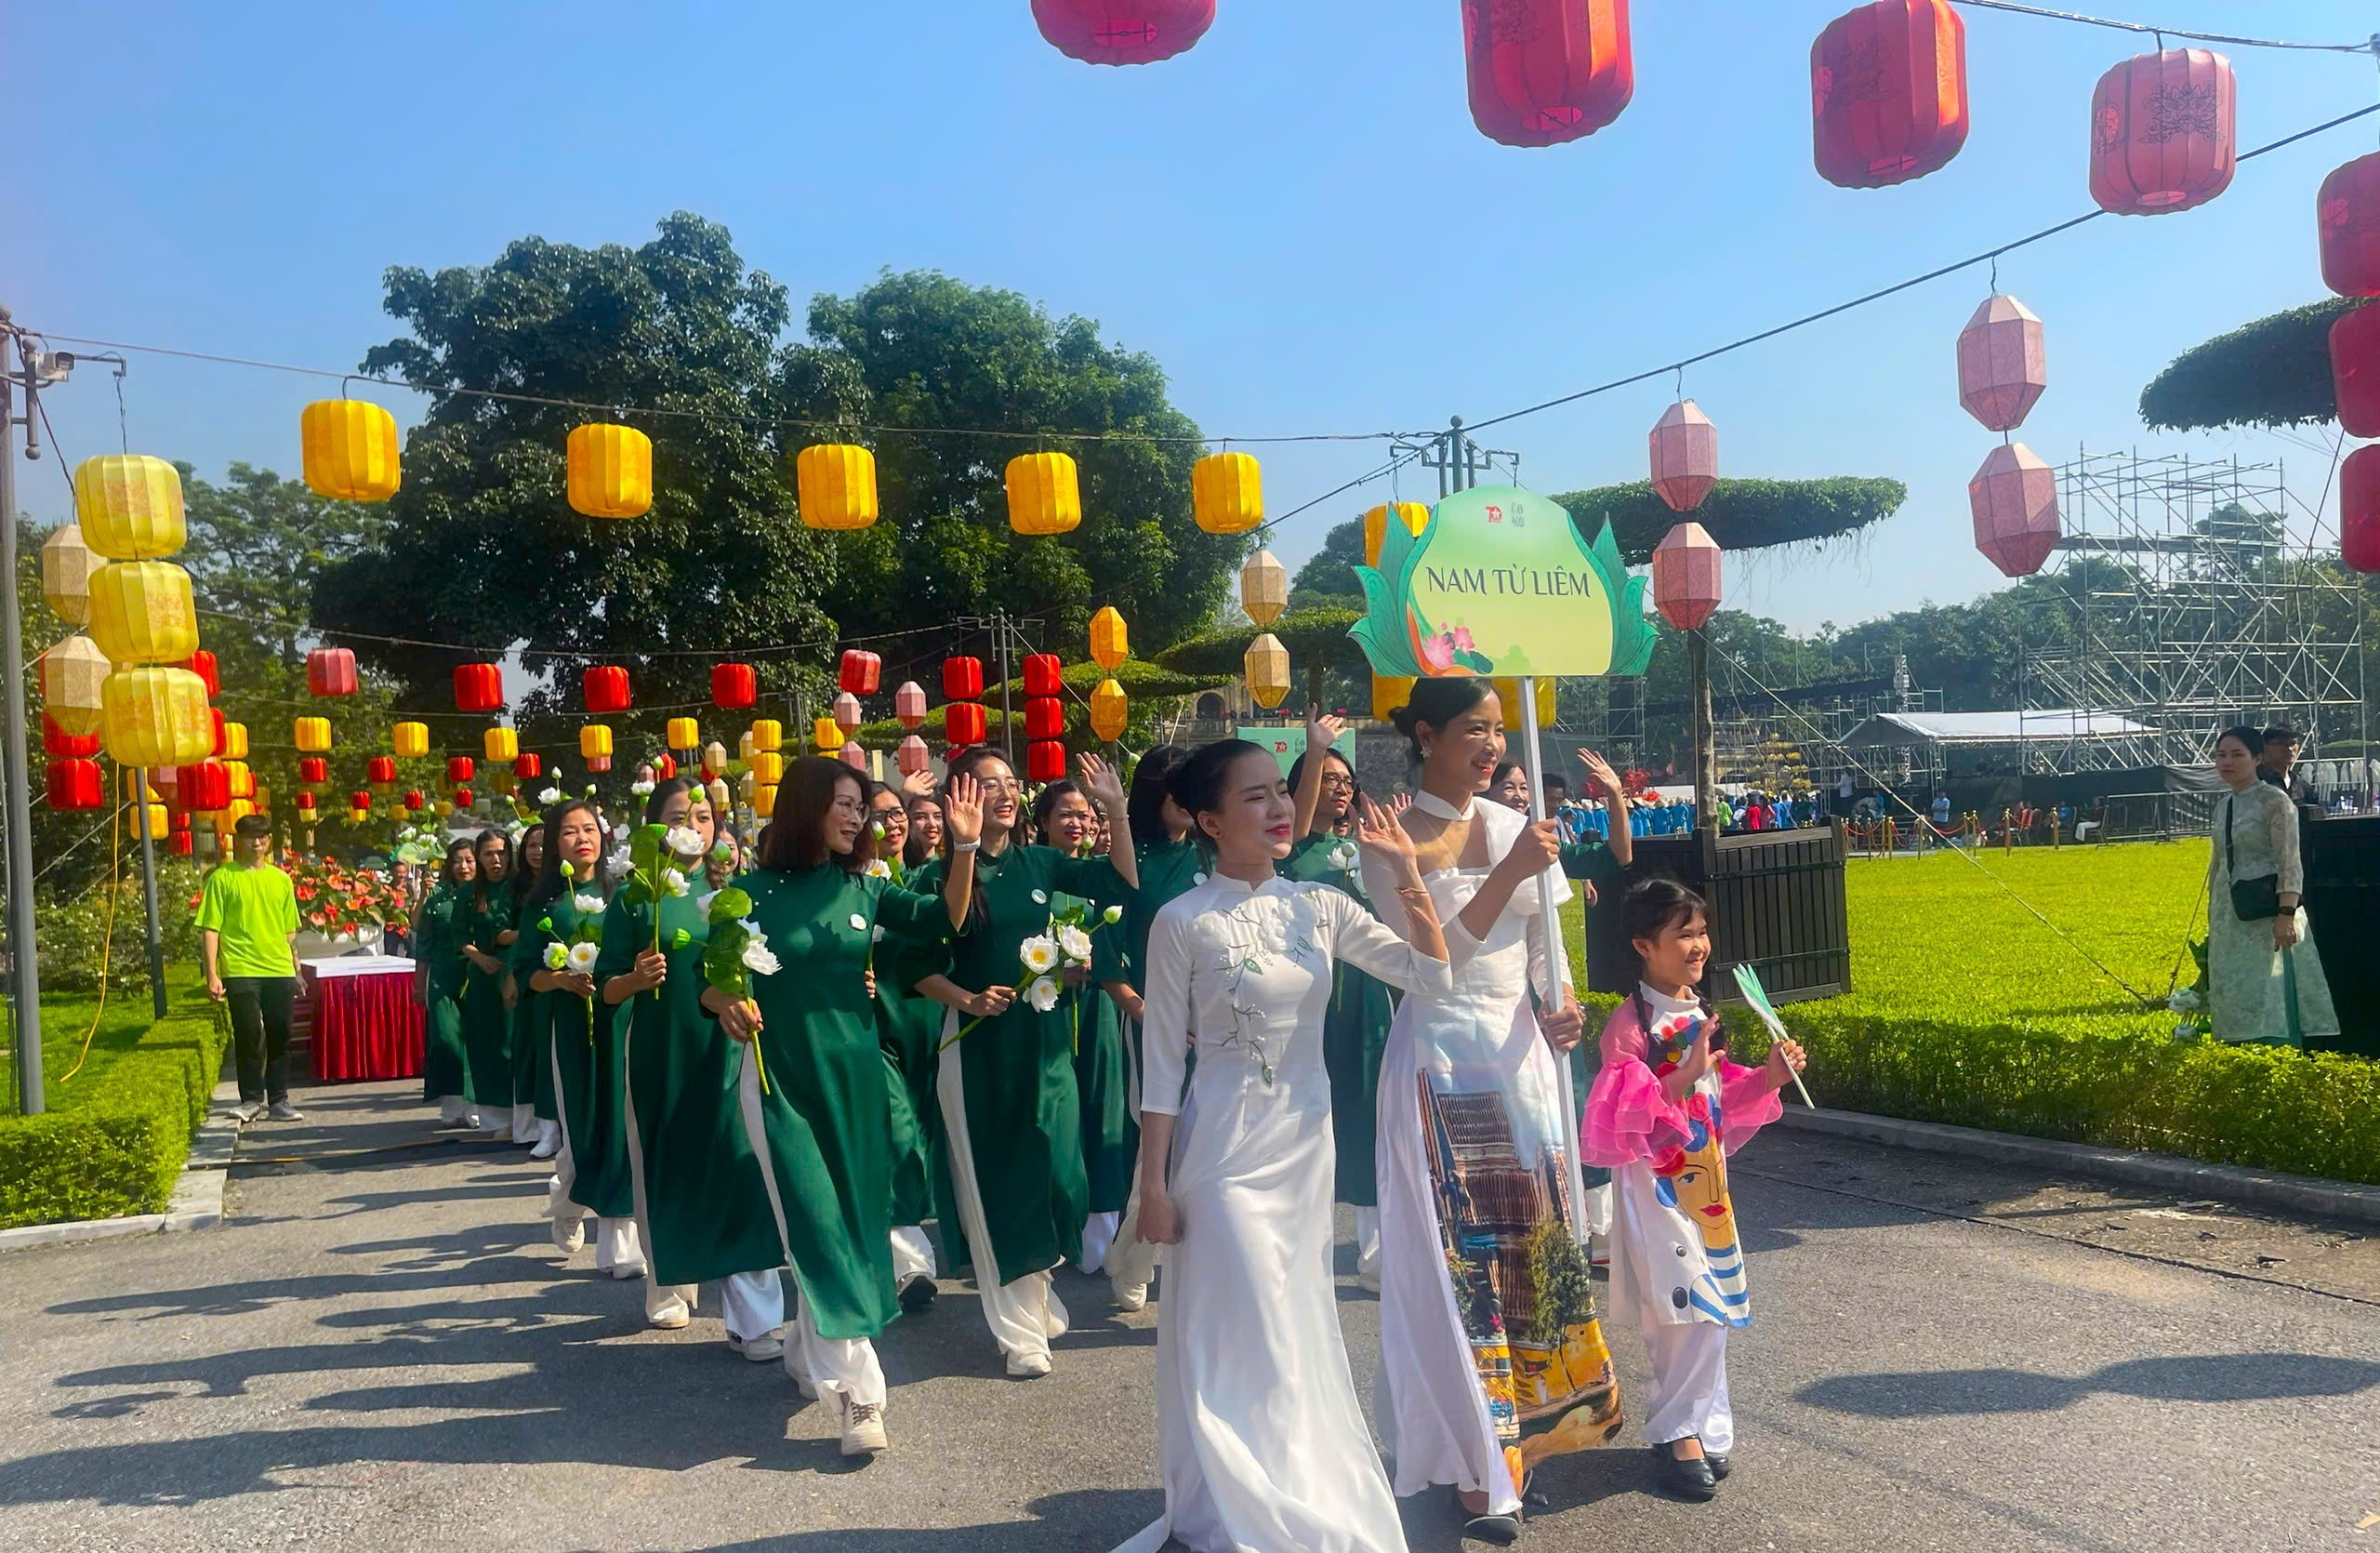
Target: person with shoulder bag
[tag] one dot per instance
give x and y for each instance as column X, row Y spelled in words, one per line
column 2264, row 982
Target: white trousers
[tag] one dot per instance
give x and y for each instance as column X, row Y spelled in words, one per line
column 1688, row 1392
column 617, row 1241
column 752, row 1304
column 912, row 1256
column 524, row 1123
column 453, row 1107
column 1599, row 1209
column 831, row 1368
column 1098, row 1234
column 1367, row 1247
column 1023, row 1314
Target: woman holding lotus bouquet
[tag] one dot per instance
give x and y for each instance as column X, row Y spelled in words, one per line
column 1011, row 1111
column 701, row 1208
column 908, row 1026
column 813, row 1088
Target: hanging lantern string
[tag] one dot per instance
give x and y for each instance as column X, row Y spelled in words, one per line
column 576, row 655
column 2047, row 13
column 1988, row 255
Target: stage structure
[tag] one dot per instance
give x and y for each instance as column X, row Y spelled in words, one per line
column 2185, row 596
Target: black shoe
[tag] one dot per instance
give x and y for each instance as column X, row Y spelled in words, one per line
column 1718, row 1465
column 1686, row 1478
column 1502, row 1530
column 917, row 1295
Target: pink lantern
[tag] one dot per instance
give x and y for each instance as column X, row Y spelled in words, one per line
column 2014, row 497
column 1685, row 456
column 847, row 713
column 2001, row 365
column 909, row 704
column 2354, row 370
column 1686, row 576
column 2360, row 510
column 2346, row 209
column 912, row 756
column 852, row 755
column 2160, row 132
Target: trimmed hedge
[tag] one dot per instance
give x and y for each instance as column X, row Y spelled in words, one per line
column 116, row 1135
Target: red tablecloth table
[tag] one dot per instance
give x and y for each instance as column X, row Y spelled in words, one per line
column 366, row 1024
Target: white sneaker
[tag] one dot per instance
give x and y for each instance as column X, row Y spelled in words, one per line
column 1131, row 1299
column 672, row 1320
column 569, row 1235
column 760, row 1349
column 282, row 1110
column 247, row 1111
column 1031, row 1366
column 471, row 1124
column 546, row 1150
column 628, row 1270
column 863, row 1428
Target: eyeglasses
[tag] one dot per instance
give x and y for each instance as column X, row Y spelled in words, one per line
column 1338, row 783
column 847, row 805
column 1000, row 784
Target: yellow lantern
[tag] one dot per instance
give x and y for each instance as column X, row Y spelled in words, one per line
column 768, row 734
column 235, row 741
column 348, row 449
column 1108, row 708
column 263, row 799
column 153, row 715
column 595, row 742
column 1044, row 493
column 610, row 470
column 765, row 802
column 1110, row 642
column 1267, row 666
column 1509, row 692
column 141, row 612
column 358, row 815
column 714, row 759
column 235, row 812
column 1227, row 493
column 66, row 566
column 501, row 744
column 239, row 780
column 159, row 821
column 835, row 485
column 768, row 767
column 311, row 735
column 1412, row 514
column 130, row 506
column 71, row 674
column 684, row 733
column 1390, row 694
column 1263, row 588
column 445, row 808
column 411, row 740
column 826, row 734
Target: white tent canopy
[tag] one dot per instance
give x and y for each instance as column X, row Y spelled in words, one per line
column 1890, row 730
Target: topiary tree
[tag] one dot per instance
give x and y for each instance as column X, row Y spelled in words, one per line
column 1739, row 514
column 2273, row 372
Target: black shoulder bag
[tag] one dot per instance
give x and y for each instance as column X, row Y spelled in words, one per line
column 2253, row 900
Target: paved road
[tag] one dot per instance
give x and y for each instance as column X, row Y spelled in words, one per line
column 379, row 1352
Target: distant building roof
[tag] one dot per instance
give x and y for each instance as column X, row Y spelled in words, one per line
column 1902, row 729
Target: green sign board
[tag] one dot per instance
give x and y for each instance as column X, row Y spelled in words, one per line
column 1288, row 743
column 1501, row 582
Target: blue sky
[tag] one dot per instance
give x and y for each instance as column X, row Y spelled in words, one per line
column 1297, row 219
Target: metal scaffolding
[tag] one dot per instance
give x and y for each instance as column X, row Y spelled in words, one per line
column 2187, row 595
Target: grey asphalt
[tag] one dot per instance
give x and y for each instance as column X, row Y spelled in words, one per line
column 380, row 1351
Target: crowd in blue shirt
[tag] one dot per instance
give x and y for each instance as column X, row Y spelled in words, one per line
column 1591, row 819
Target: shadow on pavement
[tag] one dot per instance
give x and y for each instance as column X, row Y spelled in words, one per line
column 2243, row 1377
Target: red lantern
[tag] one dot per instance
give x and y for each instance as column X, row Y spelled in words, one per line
column 528, row 765
column 215, row 717
column 58, row 742
column 1889, row 93
column 2360, row 510
column 330, row 671
column 1045, row 761
column 963, row 724
column 462, row 798
column 202, row 663
column 1041, row 671
column 2014, row 497
column 205, row 786
column 1685, row 447
column 912, row 756
column 852, row 755
column 2355, row 370
column 734, row 685
column 859, row 672
column 178, row 819
column 1122, row 32
column 2002, row 367
column 1686, row 576
column 1543, row 72
column 77, row 784
column 479, row 687
column 2349, row 210
column 909, row 704
column 180, row 844
column 459, row 770
column 665, row 766
column 313, row 768
column 359, row 800
column 2160, row 132
column 412, row 800
column 381, row 769
column 962, row 679
column 1045, row 717
column 605, row 687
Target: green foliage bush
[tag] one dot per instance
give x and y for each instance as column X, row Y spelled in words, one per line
column 73, row 924
column 116, row 1134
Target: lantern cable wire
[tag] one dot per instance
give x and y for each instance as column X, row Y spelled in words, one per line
column 2047, row 13
column 1988, row 255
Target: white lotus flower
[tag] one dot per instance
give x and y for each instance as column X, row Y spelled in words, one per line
column 1198, row 879
column 557, row 956
column 673, row 882
column 549, row 797
column 642, row 790
column 588, row 905
column 1112, row 915
column 1043, row 994
column 1040, row 953
column 1344, row 857
column 683, row 840
column 756, row 957
column 859, row 923
column 582, row 956
column 879, row 868
column 1074, row 941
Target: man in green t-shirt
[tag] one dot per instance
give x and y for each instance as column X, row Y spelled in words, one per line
column 247, row 917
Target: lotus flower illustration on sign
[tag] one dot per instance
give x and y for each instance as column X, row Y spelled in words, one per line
column 1499, row 581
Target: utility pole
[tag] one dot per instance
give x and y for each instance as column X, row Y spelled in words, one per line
column 149, row 895
column 26, row 964
column 1008, row 721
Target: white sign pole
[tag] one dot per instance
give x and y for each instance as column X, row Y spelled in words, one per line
column 1548, row 928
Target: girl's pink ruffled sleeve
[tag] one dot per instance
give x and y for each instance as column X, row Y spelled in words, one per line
column 1627, row 1116
column 1747, row 1103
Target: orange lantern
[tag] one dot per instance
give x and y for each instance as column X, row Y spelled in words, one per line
column 1109, row 710
column 768, row 768
column 1543, row 72
column 1110, row 642
column 1684, row 448
column 1388, row 694
column 1686, row 576
column 2003, row 366
column 2014, row 498
column 1889, row 93
column 2160, row 132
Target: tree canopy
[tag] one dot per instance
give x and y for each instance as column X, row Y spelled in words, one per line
column 2275, row 371
column 1330, row 573
column 1739, row 514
